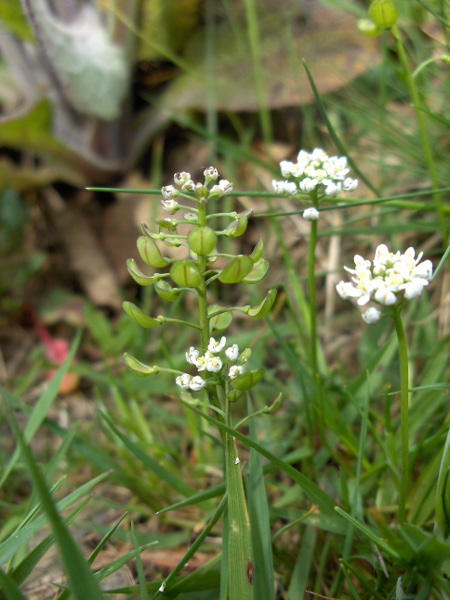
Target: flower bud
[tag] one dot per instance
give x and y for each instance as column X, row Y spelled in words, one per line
column 202, row 240
column 368, row 28
column 383, row 13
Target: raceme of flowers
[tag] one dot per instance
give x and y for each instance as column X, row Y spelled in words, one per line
column 315, row 172
column 184, row 181
column 389, row 277
column 211, row 362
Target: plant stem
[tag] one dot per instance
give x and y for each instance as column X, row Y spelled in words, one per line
column 424, row 137
column 240, row 561
column 404, row 407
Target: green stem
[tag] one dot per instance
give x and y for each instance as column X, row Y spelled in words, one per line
column 404, row 421
column 312, row 295
column 240, row 561
column 425, row 140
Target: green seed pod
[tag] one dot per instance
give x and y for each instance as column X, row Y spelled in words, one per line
column 383, row 13
column 236, row 270
column 258, row 312
column 247, row 381
column 258, row 272
column 150, row 253
column 139, row 317
column 221, row 322
column 185, row 273
column 202, row 240
column 166, row 291
column 257, row 251
column 234, row 395
column 238, row 226
column 138, row 275
column 139, row 368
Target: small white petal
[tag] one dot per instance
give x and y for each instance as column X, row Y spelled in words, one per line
column 385, row 296
column 413, row 289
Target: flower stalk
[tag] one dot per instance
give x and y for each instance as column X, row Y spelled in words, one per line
column 404, row 409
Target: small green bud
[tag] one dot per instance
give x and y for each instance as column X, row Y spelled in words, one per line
column 247, row 381
column 368, row 28
column 150, row 253
column 236, row 270
column 185, row 273
column 245, row 355
column 202, row 240
column 383, row 13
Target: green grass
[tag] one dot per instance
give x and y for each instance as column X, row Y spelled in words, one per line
column 345, row 488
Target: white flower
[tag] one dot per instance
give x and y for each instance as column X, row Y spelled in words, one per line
column 184, row 381
column 308, row 184
column 333, row 189
column 192, row 356
column 385, row 296
column 235, row 371
column 286, row 168
column 216, row 347
column 311, row 214
column 213, row 364
column 189, row 186
column 284, row 187
column 201, row 361
column 317, row 169
column 197, row 383
column 170, row 206
column 414, row 288
column 348, row 185
column 169, row 192
column 372, row 315
column 211, row 173
column 386, row 277
column 224, row 187
column 181, row 178
column 232, row 353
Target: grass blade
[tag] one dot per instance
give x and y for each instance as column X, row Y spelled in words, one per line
column 82, row 579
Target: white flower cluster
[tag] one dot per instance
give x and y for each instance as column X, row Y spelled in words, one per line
column 385, row 278
column 313, row 170
column 184, row 181
column 211, row 362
